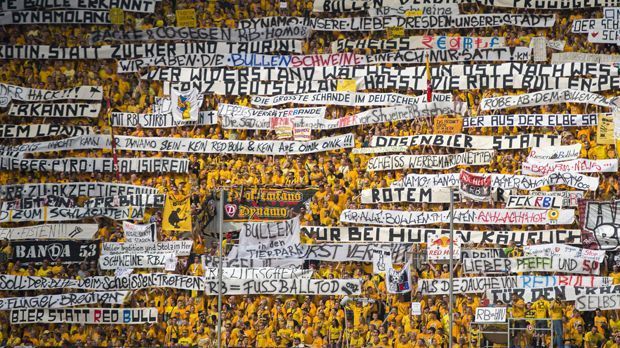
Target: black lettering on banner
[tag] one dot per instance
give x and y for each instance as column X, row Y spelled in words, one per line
column 55, row 251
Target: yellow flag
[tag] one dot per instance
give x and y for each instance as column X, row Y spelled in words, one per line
column 394, row 32
column 117, row 16
column 177, row 213
column 186, row 18
column 605, row 130
column 346, row 86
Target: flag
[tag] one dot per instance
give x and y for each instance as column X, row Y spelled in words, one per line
column 398, row 282
column 186, row 105
column 381, row 258
column 429, row 84
column 177, row 213
column 476, row 187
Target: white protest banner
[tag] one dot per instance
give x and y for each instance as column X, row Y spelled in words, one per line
column 122, row 51
column 210, row 261
column 133, row 261
column 398, row 281
column 428, row 42
column 557, row 45
column 185, row 105
column 73, row 189
column 176, row 247
column 55, row 110
column 461, row 216
column 538, row 44
column 135, row 233
column 562, row 292
column 411, row 195
column 11, row 92
column 544, row 281
column 475, row 187
column 531, row 120
column 434, row 162
column 485, row 265
column 381, row 260
column 374, row 150
column 359, row 99
column 50, row 231
column 544, row 202
column 244, row 111
column 144, row 200
column 567, row 57
column 131, row 120
column 601, row 223
column 603, row 302
column 418, row 22
column 266, row 237
column 63, row 17
column 372, row 234
column 504, row 181
column 556, row 96
column 438, row 248
column 483, row 253
column 364, row 5
column 600, row 34
column 202, row 34
column 70, row 214
column 42, row 130
column 39, row 202
column 553, row 264
column 258, row 273
column 466, row 141
column 416, row 308
column 549, row 5
column 62, row 300
column 308, row 287
column 490, row 315
column 569, row 198
column 580, row 165
column 565, row 251
column 98, row 316
column 143, row 6
column 555, row 153
column 96, row 165
column 416, row 10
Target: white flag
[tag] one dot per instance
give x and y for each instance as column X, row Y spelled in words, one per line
column 398, row 282
column 185, row 105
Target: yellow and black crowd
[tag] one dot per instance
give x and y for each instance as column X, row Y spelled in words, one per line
column 189, row 318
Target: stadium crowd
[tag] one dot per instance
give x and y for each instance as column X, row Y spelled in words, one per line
column 189, row 318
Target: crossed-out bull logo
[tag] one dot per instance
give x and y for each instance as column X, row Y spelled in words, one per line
column 602, row 221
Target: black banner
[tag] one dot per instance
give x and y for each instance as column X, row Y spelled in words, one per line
column 246, row 204
column 59, row 250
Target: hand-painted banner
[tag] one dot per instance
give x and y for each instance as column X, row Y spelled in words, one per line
column 398, row 281
column 85, row 316
column 142, row 6
column 258, row 273
column 107, row 262
column 259, row 204
column 366, row 99
column 543, row 98
column 531, row 120
column 416, row 10
column 569, row 198
column 176, row 247
column 63, row 17
column 11, row 92
column 486, row 265
column 50, row 231
column 62, row 300
column 602, row 302
column 483, row 254
column 461, row 216
column 73, row 189
column 600, row 223
column 429, row 42
column 103, row 283
column 565, row 251
column 272, row 238
column 134, row 233
column 308, row 287
column 421, row 235
column 411, row 195
column 589, row 25
column 549, row 5
column 149, row 201
column 364, row 5
column 40, row 202
column 126, row 51
column 232, row 110
column 96, row 165
column 481, row 284
column 568, row 57
column 418, row 22
column 466, row 141
column 562, row 292
column 70, row 214
column 54, row 251
column 580, row 165
column 531, row 264
column 42, row 130
column 432, row 162
column 202, row 34
column 504, row 181
column 375, row 150
column 542, row 202
column 214, row 261
column 55, row 110
column 475, row 187
column 555, row 153
column 131, row 120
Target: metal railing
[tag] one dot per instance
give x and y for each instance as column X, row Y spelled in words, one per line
column 529, row 327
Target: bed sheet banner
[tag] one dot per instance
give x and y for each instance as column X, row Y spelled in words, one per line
column 461, row 216
column 55, row 251
column 543, row 98
column 133, row 120
column 285, row 286
column 258, row 273
column 600, row 224
column 428, row 42
column 87, row 316
column 42, row 130
column 96, row 165
column 555, row 153
column 580, row 165
column 259, row 204
column 431, row 162
column 257, row 238
column 176, row 247
column 466, row 141
column 55, row 110
column 12, row 92
column 50, row 231
column 73, row 189
column 566, row 251
column 46, row 214
column 411, row 195
column 531, row 120
column 475, row 187
column 62, row 300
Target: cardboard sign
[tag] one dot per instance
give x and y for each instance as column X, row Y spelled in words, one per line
column 346, row 86
column 439, row 247
column 117, row 16
column 605, row 129
column 393, row 32
column 443, row 125
column 490, row 315
column 186, row 18
column 416, row 308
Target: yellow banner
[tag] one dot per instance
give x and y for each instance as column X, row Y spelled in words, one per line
column 605, row 130
column 444, row 125
column 117, row 16
column 394, row 32
column 177, row 213
column 346, row 86
column 186, row 18
column 413, row 13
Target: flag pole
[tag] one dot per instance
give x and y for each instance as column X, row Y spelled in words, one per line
column 220, row 223
column 451, row 266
